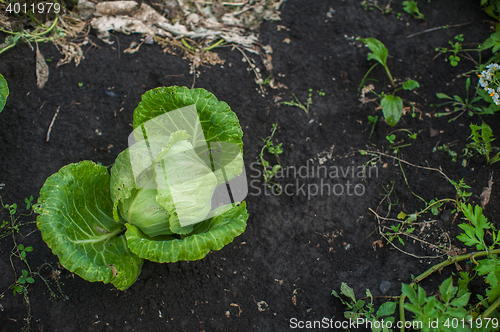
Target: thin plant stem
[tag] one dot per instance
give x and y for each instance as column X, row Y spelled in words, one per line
column 390, row 78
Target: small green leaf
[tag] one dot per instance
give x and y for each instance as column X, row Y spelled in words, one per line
column 461, row 301
column 392, row 107
column 18, row 289
column 386, row 309
column 30, row 280
column 409, row 292
column 412, row 217
column 411, row 8
column 446, row 289
column 421, row 296
column 410, row 85
column 379, row 50
column 347, row 291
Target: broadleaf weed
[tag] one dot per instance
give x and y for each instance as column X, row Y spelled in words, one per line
column 392, row 105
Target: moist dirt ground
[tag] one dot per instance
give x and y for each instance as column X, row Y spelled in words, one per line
column 298, row 245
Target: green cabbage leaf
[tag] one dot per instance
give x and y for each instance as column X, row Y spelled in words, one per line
column 76, row 221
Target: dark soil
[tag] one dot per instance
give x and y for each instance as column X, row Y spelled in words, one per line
column 296, row 248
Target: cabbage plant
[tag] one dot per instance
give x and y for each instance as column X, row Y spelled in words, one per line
column 165, row 199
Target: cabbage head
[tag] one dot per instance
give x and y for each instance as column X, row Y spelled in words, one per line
column 165, row 199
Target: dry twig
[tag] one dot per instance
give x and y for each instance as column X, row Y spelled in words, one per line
column 438, row 28
column 51, row 124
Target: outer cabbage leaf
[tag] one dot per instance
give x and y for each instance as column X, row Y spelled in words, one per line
column 4, row 92
column 211, row 234
column 76, row 222
column 218, row 122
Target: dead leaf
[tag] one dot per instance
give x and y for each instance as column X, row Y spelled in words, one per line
column 42, row 70
column 485, row 195
column 364, row 91
column 377, row 243
column 70, row 50
column 268, row 49
column 133, row 48
column 268, row 62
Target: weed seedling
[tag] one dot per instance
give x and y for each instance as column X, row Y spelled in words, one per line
column 446, row 148
column 298, row 104
column 482, row 137
column 276, row 150
column 392, row 105
column 411, row 8
column 461, row 105
column 391, row 138
column 373, row 121
column 455, row 49
column 397, row 230
column 359, row 309
column 23, row 279
column 370, row 5
column 11, row 227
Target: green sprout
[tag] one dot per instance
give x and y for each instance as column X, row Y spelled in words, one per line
column 298, row 104
column 461, row 105
column 373, row 121
column 359, row 309
column 411, row 8
column 276, row 150
column 456, row 47
column 482, row 137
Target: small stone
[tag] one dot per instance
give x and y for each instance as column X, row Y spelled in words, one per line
column 433, row 132
column 384, row 286
column 149, row 40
